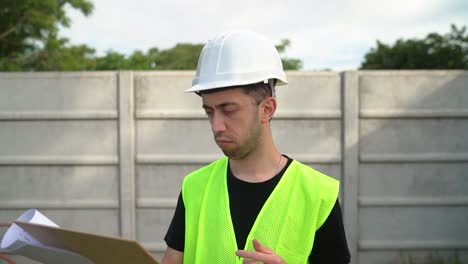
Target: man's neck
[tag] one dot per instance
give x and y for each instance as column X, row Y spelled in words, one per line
column 258, row 166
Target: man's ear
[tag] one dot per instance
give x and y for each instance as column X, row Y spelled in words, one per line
column 268, row 109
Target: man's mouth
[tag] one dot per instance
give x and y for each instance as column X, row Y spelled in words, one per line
column 223, row 141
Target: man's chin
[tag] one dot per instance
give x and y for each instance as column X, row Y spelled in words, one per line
column 228, row 153
column 233, row 155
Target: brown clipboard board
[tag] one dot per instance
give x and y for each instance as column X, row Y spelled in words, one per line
column 99, row 249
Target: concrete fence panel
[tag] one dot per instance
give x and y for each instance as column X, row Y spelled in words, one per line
column 106, row 152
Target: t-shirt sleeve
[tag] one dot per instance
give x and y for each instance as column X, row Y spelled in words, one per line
column 175, row 236
column 330, row 244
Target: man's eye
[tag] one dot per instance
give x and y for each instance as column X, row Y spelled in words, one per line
column 229, row 110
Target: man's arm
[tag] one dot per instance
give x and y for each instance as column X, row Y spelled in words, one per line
column 330, row 244
column 172, row 256
column 175, row 236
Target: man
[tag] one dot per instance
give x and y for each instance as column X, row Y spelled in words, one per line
column 256, row 204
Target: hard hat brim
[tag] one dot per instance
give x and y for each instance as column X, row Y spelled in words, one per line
column 203, row 86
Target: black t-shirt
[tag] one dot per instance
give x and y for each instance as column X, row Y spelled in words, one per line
column 246, row 200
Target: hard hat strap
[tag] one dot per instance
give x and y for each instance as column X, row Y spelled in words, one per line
column 272, row 83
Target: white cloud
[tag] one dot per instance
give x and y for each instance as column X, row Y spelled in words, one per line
column 324, row 34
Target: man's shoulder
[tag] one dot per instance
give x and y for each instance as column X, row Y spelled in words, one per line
column 307, row 171
column 204, row 172
column 326, row 186
column 195, row 183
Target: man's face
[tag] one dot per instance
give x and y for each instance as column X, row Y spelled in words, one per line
column 234, row 119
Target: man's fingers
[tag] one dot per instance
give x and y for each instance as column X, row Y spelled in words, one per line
column 261, row 248
column 261, row 254
column 248, row 254
column 254, row 255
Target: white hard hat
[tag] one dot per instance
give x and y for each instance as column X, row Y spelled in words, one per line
column 237, row 58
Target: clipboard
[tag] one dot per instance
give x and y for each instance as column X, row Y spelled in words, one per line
column 97, row 248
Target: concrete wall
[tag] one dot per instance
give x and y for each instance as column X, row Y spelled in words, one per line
column 106, row 152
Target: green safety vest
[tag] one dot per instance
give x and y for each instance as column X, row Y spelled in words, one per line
column 287, row 222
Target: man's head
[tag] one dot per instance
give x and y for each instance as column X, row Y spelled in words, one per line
column 236, row 77
column 239, row 117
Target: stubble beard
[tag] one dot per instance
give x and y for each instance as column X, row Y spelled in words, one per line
column 250, row 144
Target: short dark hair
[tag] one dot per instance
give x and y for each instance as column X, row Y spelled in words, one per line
column 258, row 91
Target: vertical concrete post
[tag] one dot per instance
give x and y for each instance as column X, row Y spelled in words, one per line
column 350, row 152
column 126, row 155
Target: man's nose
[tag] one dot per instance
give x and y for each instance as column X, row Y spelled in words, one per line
column 217, row 124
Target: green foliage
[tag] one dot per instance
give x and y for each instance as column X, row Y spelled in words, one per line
column 288, row 63
column 448, row 51
column 56, row 55
column 29, row 41
column 112, row 61
column 26, row 25
column 140, row 61
column 291, row 64
column 183, row 56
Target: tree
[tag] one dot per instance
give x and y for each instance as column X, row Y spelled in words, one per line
column 58, row 55
column 448, row 51
column 288, row 63
column 29, row 41
column 183, row 56
column 112, row 61
column 27, row 26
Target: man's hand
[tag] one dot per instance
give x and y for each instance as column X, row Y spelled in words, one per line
column 262, row 254
column 172, row 256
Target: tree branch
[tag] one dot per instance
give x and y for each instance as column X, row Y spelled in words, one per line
column 8, row 32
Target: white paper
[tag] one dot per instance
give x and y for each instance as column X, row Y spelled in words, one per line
column 19, row 242
column 16, row 234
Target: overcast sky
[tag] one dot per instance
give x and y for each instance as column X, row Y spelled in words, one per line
column 333, row 34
